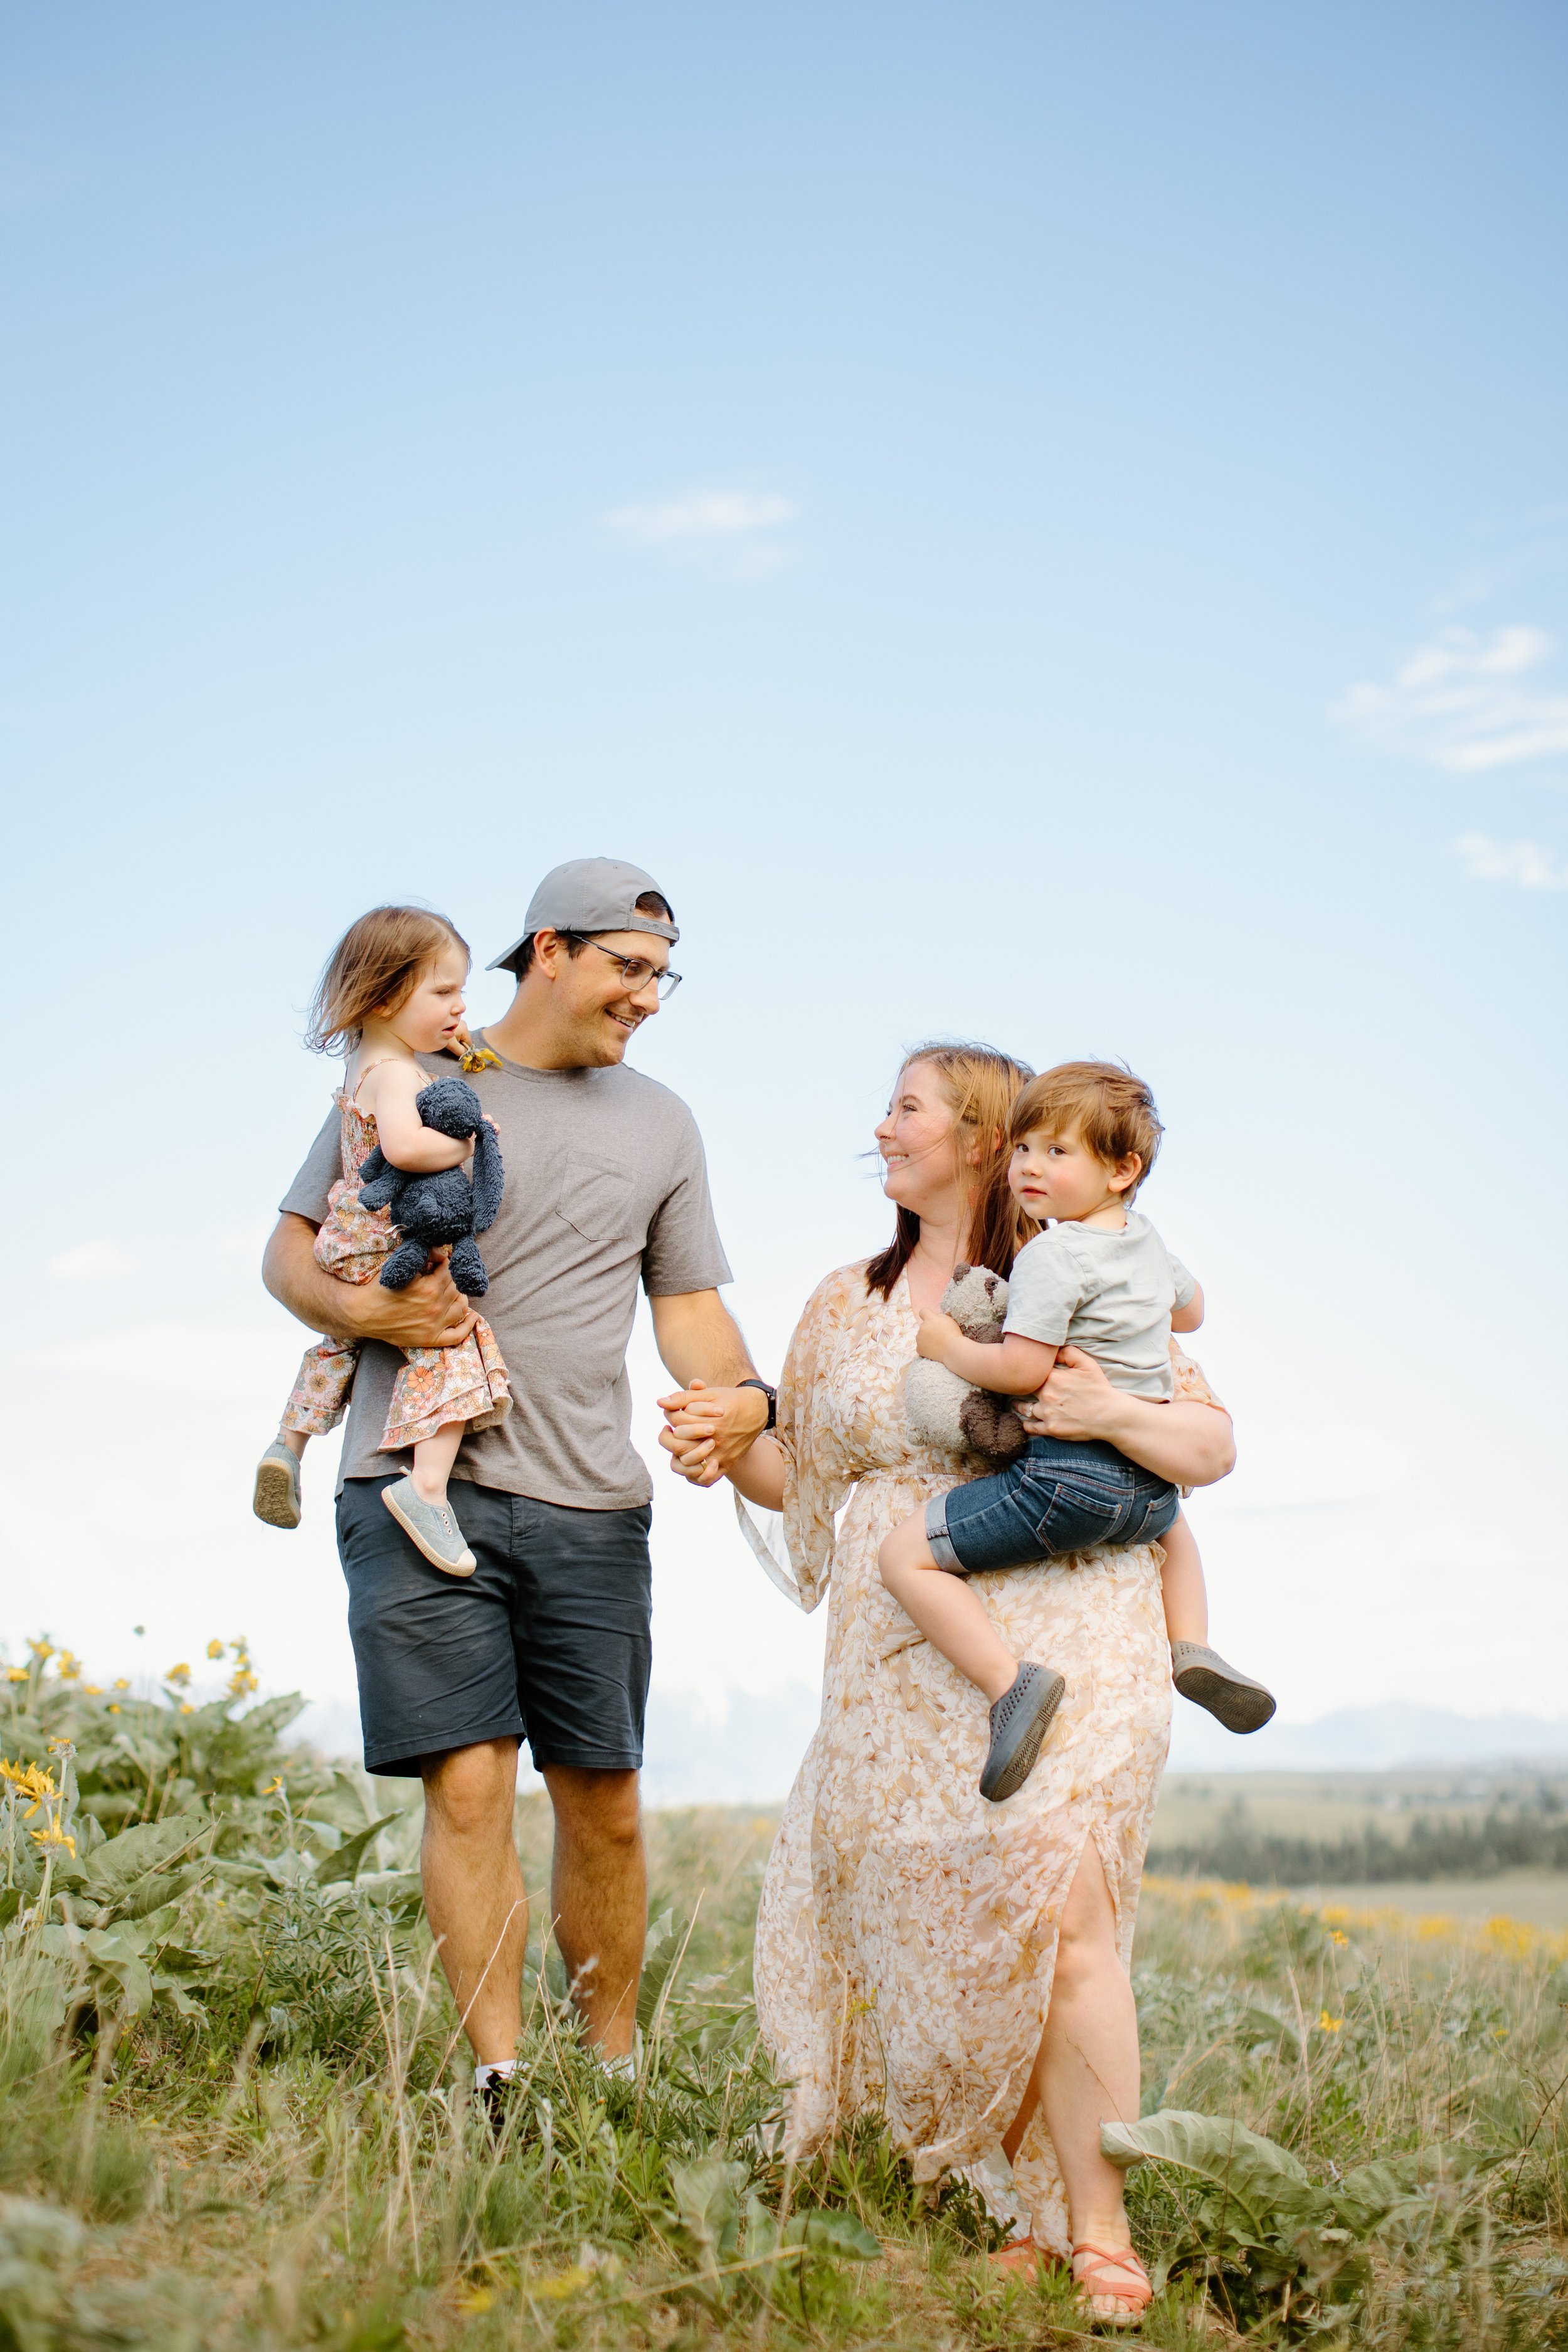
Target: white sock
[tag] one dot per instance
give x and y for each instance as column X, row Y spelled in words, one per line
column 501, row 2072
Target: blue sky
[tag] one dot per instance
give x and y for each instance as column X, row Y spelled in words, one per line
column 1046, row 523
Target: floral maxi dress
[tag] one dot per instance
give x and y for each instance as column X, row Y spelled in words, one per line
column 907, row 1931
column 436, row 1385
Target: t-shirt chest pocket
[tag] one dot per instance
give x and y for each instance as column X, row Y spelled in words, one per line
column 597, row 1201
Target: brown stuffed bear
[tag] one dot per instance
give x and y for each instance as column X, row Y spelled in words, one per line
column 944, row 1412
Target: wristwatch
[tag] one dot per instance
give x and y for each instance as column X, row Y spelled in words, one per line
column 772, row 1396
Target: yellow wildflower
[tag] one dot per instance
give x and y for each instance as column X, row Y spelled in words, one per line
column 241, row 1681
column 29, row 1781
column 475, row 2298
column 69, row 1666
column 42, row 1650
column 273, row 1786
column 62, row 1747
column 113, row 1710
column 93, row 1690
column 122, row 1682
column 186, row 1708
column 15, row 1674
column 215, row 1649
column 179, row 1675
column 1337, row 1935
column 1327, row 2024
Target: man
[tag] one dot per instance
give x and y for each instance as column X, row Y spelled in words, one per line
column 549, row 1640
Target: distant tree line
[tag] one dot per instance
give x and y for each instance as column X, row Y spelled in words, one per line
column 1503, row 1838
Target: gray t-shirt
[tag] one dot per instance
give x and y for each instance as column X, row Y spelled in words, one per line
column 605, row 1183
column 1110, row 1294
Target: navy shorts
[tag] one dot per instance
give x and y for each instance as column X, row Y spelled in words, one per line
column 1059, row 1496
column 548, row 1641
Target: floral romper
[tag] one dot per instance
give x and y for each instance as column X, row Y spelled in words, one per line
column 436, row 1385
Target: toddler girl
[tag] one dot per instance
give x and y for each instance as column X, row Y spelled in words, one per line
column 1084, row 1137
column 392, row 990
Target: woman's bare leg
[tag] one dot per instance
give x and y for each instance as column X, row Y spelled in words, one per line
column 1182, row 1582
column 1087, row 2070
column 951, row 1616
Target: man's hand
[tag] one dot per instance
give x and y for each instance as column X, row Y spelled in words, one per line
column 431, row 1312
column 708, row 1430
column 937, row 1334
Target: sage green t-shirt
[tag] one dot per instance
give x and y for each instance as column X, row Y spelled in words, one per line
column 606, row 1187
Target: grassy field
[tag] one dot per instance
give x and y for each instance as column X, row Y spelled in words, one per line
column 236, row 2111
column 1394, row 1830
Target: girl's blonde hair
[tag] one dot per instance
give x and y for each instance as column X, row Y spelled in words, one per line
column 376, row 966
column 982, row 1085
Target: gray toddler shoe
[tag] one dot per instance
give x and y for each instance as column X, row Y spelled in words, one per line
column 277, row 1495
column 432, row 1527
column 1233, row 1698
column 1019, row 1722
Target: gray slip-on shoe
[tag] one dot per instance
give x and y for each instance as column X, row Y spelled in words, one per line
column 432, row 1527
column 276, row 1498
column 1234, row 1699
column 1019, row 1722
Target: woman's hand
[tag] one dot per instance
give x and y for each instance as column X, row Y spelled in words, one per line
column 1190, row 1444
column 1077, row 1401
column 937, row 1334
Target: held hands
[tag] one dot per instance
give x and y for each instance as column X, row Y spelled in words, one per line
column 708, row 1430
column 937, row 1334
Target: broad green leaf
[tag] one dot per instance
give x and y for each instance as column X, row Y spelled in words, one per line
column 839, row 2233
column 706, row 2199
column 114, row 1869
column 345, row 1863
column 1262, row 2179
column 661, row 1949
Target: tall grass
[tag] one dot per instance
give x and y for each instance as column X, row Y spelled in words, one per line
column 278, row 2145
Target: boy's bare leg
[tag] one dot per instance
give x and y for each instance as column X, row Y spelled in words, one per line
column 433, row 1460
column 1182, row 1582
column 474, row 1895
column 296, row 1440
column 951, row 1616
column 598, row 1893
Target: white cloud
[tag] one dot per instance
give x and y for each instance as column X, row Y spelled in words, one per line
column 93, row 1262
column 742, row 532
column 1524, row 863
column 1465, row 701
column 192, row 1360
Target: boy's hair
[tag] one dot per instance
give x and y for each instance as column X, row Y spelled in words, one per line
column 1102, row 1104
column 377, row 961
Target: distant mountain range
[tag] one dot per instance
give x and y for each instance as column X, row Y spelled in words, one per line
column 745, row 1751
column 1366, row 1739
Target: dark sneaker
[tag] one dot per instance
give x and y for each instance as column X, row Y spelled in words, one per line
column 1019, row 1722
column 1232, row 1698
column 276, row 1497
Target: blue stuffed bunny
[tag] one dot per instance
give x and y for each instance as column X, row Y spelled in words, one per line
column 452, row 1204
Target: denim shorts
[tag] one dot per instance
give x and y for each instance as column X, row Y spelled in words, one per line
column 1059, row 1496
column 548, row 1641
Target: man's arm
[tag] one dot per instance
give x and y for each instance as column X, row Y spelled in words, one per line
column 431, row 1312
column 699, row 1340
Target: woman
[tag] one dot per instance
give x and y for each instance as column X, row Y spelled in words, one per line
column 959, row 1967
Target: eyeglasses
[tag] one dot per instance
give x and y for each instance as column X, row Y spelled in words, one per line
column 637, row 971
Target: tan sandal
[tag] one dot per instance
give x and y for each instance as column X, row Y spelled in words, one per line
column 1021, row 2258
column 1135, row 2298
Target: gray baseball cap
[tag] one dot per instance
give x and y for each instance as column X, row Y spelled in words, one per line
column 589, row 893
